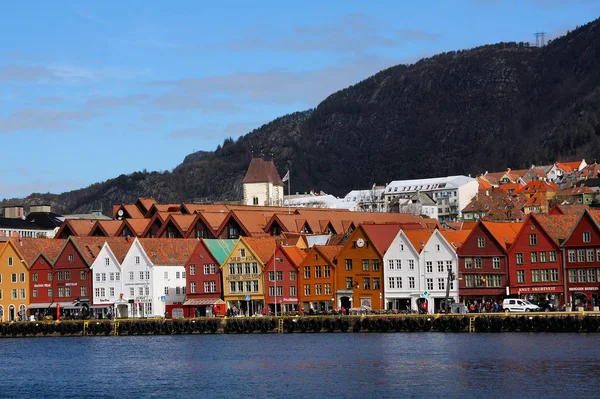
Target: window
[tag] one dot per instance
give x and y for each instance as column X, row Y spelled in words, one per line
column 294, row 275
column 34, row 277
column 97, row 276
column 365, row 265
column 67, row 275
column 111, row 276
column 177, row 275
column 103, row 276
column 532, row 239
column 326, row 272
column 318, row 289
column 587, row 237
column 271, row 291
column 50, row 293
column 61, row 292
column 82, row 274
column 543, row 257
column 375, row 263
column 130, row 276
column 106, row 261
column 469, row 280
column 231, row 268
column 521, row 276
column 22, row 277
column 307, row 272
column 580, row 255
column 401, row 247
column 411, row 282
column 581, row 276
column 317, row 271
column 166, row 290
column 137, row 260
column 589, row 255
column 348, row 264
column 239, row 268
column 131, row 291
column 83, row 291
column 306, row 289
column 399, row 282
column 206, row 269
column 71, row 257
column 448, row 265
column 34, row 293
column 141, row 291
column 572, row 276
column 59, row 274
column 429, row 283
column 231, row 286
column 279, row 276
column 440, row 266
column 535, row 276
column 13, row 277
column 177, row 291
column 271, row 276
column 598, row 254
column 213, row 287
column 240, row 286
column 49, row 276
column 519, row 259
column 118, row 276
column 193, row 287
column 429, row 266
column 571, row 255
column 391, row 282
column 494, row 280
column 477, row 263
column 22, row 291
column 534, row 257
column 192, row 270
column 348, row 283
column 468, row 263
column 552, row 256
column 545, row 275
column 293, row 290
column 111, row 291
column 141, row 275
column 411, row 264
column 480, row 242
column 591, row 275
column 10, row 263
column 391, row 264
column 242, row 253
column 366, row 283
column 441, row 284
column 248, row 286
column 398, row 264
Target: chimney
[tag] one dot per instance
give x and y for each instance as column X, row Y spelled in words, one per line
column 40, row 208
column 13, row 211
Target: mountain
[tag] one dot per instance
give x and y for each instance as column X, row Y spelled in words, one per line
column 468, row 111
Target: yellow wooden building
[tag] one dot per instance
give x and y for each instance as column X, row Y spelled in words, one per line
column 14, row 283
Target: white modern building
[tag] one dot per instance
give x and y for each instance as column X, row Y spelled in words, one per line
column 322, row 200
column 367, row 200
column 451, row 193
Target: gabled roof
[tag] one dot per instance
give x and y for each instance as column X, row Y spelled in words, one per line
column 503, row 232
column 558, row 227
column 31, row 248
column 144, row 204
column 77, row 227
column 181, row 223
column 381, row 235
column 168, row 251
column 220, row 249
column 214, row 219
column 137, row 226
column 294, row 254
column 455, row 238
column 131, row 210
column 197, row 208
column 261, row 171
column 538, row 185
column 88, row 247
column 538, row 199
column 330, row 252
column 484, row 185
column 108, row 228
column 461, row 225
column 263, row 248
column 119, row 246
column 418, row 238
column 252, row 222
column 576, row 191
column 590, row 171
column 511, row 187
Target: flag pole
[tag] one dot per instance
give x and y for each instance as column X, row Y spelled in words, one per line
column 288, row 182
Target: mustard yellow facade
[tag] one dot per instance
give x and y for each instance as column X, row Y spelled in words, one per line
column 14, row 284
column 243, row 287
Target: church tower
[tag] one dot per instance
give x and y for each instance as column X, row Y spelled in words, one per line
column 262, row 184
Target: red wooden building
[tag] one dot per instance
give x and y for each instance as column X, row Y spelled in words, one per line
column 536, row 260
column 582, row 262
column 204, row 281
column 483, row 262
column 281, row 279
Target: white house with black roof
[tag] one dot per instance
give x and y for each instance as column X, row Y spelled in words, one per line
column 39, row 222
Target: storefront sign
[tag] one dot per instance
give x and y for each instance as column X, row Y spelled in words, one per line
column 238, row 259
column 583, row 288
column 236, row 277
column 70, row 284
column 42, row 285
column 526, row 290
column 292, row 300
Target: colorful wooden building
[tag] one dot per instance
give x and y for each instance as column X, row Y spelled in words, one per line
column 14, row 283
column 281, row 279
column 317, row 278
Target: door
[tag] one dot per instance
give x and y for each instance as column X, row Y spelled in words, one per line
column 11, row 313
column 345, row 302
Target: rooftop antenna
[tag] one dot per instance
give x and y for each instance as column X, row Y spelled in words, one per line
column 539, row 39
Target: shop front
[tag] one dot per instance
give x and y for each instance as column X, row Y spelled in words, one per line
column 584, row 298
column 205, row 307
column 543, row 296
column 245, row 305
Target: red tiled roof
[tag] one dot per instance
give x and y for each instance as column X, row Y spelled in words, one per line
column 503, row 232
column 538, row 185
column 565, row 209
column 31, row 248
column 109, row 227
column 137, row 226
column 295, row 254
column 264, row 247
column 511, row 187
column 576, row 191
column 146, row 203
column 89, row 247
column 330, row 251
column 590, row 171
column 382, row 235
column 558, row 227
column 455, row 238
column 538, row 199
column 261, row 171
column 168, row 251
column 418, row 238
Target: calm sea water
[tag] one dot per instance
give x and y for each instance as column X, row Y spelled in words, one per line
column 401, row 365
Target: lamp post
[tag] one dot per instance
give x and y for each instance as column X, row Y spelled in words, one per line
column 275, row 260
column 450, row 278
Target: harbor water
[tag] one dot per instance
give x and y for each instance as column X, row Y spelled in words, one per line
column 369, row 365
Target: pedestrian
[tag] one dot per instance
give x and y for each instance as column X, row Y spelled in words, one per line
column 264, row 311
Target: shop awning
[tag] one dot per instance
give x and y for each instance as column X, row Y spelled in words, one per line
column 66, row 305
column 43, row 305
column 103, row 305
column 203, row 302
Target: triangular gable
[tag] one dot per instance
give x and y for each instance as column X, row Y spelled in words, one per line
column 108, row 251
column 132, row 227
column 193, row 228
column 230, row 218
column 11, row 244
column 170, row 227
column 136, row 249
column 585, row 214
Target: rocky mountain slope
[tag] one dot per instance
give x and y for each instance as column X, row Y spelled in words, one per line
column 488, row 108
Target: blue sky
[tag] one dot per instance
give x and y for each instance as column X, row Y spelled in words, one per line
column 91, row 90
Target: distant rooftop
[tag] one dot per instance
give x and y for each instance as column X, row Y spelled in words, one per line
column 431, row 184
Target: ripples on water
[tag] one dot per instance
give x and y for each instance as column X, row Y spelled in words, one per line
column 401, row 365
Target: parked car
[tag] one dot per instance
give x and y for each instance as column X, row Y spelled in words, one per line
column 547, row 306
column 519, row 305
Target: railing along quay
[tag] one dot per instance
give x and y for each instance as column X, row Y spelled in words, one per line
column 472, row 322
